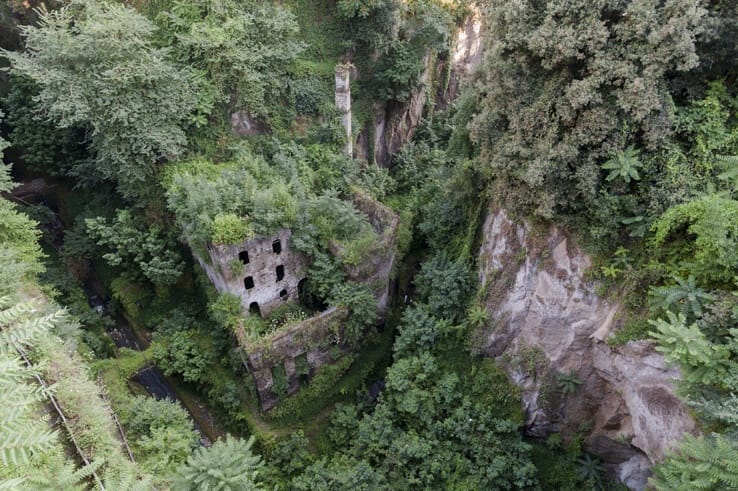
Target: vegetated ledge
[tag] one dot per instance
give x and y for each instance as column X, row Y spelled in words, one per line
column 378, row 263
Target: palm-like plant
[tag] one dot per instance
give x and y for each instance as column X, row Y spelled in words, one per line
column 685, row 297
column 624, row 165
column 591, row 471
column 478, row 316
column 568, row 382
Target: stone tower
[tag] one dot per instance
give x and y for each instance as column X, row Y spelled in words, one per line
column 343, row 102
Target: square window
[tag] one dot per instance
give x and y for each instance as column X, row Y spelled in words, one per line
column 277, row 246
column 243, row 256
column 248, row 282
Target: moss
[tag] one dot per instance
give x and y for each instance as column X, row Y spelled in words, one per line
column 116, row 373
column 130, row 295
column 634, row 329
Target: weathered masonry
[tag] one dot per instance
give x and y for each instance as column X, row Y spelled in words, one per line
column 263, row 272
column 298, row 351
column 343, row 103
column 266, row 272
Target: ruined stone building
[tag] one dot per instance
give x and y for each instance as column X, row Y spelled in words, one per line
column 263, row 272
column 266, row 272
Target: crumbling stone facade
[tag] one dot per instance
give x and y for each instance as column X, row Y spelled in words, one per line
column 343, row 103
column 312, row 339
column 263, row 272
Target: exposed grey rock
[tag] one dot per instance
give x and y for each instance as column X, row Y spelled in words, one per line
column 395, row 123
column 243, row 124
column 547, row 320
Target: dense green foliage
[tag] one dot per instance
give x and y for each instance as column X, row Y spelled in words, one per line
column 618, row 119
column 213, row 123
column 34, row 455
column 229, row 465
column 161, row 432
column 244, row 50
column 136, row 246
column 106, row 75
column 599, row 80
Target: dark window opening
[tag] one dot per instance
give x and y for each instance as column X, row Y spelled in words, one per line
column 302, row 369
column 280, row 272
column 248, row 282
column 283, row 294
column 254, row 309
column 309, row 297
column 244, row 257
column 277, row 246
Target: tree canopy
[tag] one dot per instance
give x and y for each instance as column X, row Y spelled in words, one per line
column 98, row 67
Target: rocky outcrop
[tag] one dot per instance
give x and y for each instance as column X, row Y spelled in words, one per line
column 395, row 122
column 546, row 322
column 464, row 58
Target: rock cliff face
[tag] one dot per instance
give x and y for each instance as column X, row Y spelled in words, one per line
column 546, row 320
column 395, row 123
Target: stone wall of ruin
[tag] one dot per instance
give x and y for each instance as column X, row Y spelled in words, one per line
column 229, row 269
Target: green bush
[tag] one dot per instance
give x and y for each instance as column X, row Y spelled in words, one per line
column 226, row 311
column 319, row 389
column 230, row 229
column 700, row 237
column 279, row 381
column 161, row 433
column 184, row 353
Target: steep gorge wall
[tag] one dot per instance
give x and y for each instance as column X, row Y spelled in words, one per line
column 395, row 123
column 546, row 320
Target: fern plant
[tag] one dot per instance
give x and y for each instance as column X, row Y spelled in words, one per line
column 20, row 324
column 624, row 165
column 706, row 462
column 701, row 361
column 63, row 476
column 685, row 297
column 23, row 436
column 568, row 382
column 127, row 479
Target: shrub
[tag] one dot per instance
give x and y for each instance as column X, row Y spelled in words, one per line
column 230, row 229
column 184, row 353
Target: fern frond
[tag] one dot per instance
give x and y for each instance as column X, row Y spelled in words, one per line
column 19, row 447
column 11, row 484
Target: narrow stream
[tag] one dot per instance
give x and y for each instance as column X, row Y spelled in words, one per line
column 150, row 377
column 52, row 194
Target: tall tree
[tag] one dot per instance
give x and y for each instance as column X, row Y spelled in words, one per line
column 245, row 48
column 97, row 67
column 567, row 82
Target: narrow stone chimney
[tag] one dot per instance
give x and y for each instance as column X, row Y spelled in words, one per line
column 343, row 102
